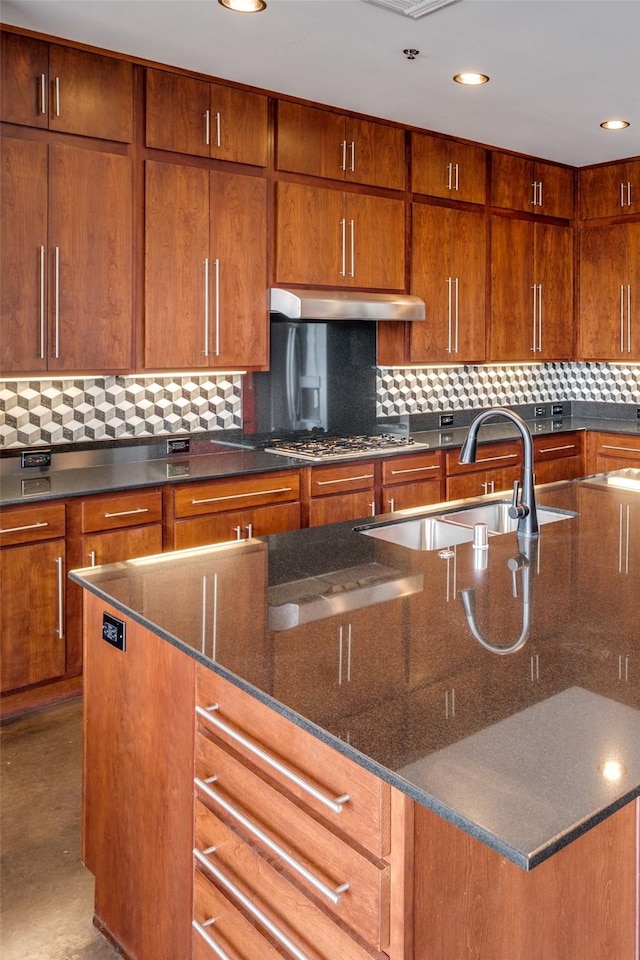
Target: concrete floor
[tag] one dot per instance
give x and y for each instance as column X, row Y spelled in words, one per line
column 46, row 895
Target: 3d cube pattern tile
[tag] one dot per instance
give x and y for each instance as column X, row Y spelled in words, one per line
column 103, row 408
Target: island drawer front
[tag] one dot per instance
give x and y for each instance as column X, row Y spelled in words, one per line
column 313, row 932
column 28, row 524
column 312, row 848
column 231, row 932
column 126, row 510
column 365, row 816
column 490, row 456
column 342, row 478
column 234, row 493
column 420, row 466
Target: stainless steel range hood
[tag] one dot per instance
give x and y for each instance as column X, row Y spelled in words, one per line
column 345, row 305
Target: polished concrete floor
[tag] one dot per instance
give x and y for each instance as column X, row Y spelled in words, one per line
column 46, row 895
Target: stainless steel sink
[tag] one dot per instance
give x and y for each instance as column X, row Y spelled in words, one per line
column 496, row 516
column 426, row 533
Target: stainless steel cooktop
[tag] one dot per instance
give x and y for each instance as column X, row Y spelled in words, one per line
column 323, row 448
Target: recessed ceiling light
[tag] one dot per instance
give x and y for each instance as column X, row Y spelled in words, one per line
column 244, row 6
column 614, row 124
column 471, row 79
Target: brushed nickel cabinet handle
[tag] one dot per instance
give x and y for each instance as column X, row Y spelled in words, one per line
column 202, row 856
column 29, row 526
column 612, row 446
column 217, row 305
column 57, row 86
column 42, row 299
column 43, row 94
column 343, row 236
column 565, row 446
column 207, row 714
column 352, row 247
column 534, row 322
column 333, row 895
column 56, row 312
column 455, row 327
column 207, row 128
column 208, row 939
column 449, row 176
column 504, row 456
column 126, row 513
column 206, row 306
column 59, row 563
column 397, row 473
column 218, row 129
column 343, row 155
column 353, row 156
column 326, row 483
column 241, row 496
column 449, row 282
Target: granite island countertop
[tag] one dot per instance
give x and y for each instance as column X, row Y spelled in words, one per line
column 367, row 645
column 109, row 468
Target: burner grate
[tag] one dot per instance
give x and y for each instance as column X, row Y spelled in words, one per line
column 328, row 448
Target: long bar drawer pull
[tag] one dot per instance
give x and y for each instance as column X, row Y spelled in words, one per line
column 200, row 928
column 610, row 446
column 333, row 895
column 250, row 907
column 334, row 805
column 566, row 446
column 325, row 483
column 504, row 456
column 29, row 526
column 241, row 496
column 126, row 513
column 396, row 473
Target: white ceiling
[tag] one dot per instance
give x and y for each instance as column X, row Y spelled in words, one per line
column 558, row 67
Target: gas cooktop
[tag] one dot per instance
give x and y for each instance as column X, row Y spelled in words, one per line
column 337, row 448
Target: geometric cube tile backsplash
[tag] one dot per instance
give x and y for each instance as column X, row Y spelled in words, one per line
column 56, row 411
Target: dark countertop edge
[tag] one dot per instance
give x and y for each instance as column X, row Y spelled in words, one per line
column 268, row 462
column 518, row 857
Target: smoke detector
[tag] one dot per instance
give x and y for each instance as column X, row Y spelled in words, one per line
column 412, row 8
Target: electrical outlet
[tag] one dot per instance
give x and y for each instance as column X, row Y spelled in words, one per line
column 36, row 458
column 446, row 419
column 541, row 412
column 638, row 413
column 178, row 446
column 556, row 410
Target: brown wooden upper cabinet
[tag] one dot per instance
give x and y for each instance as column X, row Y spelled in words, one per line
column 532, row 290
column 447, row 168
column 67, row 252
column 205, row 268
column 186, row 115
column 448, row 272
column 324, row 144
column 60, row 88
column 518, row 183
column 612, row 190
column 609, row 319
column 331, row 237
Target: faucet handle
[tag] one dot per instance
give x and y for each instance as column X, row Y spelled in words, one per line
column 517, row 510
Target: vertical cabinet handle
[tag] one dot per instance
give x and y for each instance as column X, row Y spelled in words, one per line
column 534, row 192
column 210, row 942
column 540, row 317
column 624, row 532
column 207, row 128
column 249, row 530
column 217, row 306
column 60, row 630
column 57, row 101
column 343, row 155
column 352, row 166
column 628, row 318
column 206, row 307
column 92, row 558
column 540, row 193
column 392, row 504
column 218, row 129
column 455, row 327
column 352, row 247
column 625, row 194
column 449, row 176
column 56, row 309
column 625, row 318
column 42, row 300
column 450, row 310
column 43, row 94
column 343, row 243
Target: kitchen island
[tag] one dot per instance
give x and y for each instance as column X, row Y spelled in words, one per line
column 381, row 769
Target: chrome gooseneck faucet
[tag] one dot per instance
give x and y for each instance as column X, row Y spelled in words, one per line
column 523, row 506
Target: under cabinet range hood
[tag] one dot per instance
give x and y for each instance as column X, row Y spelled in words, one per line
column 325, row 305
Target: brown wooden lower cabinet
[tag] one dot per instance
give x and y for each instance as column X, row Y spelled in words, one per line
column 497, row 467
column 559, row 457
column 296, row 847
column 338, row 492
column 612, row 451
column 412, row 481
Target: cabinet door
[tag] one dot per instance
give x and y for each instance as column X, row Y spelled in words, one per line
column 23, row 255
column 90, row 260
column 176, row 261
column 448, row 169
column 177, row 109
column 310, row 141
column 604, row 304
column 375, row 154
column 309, row 235
column 32, row 638
column 90, row 94
column 610, row 190
column 483, row 482
column 239, row 125
column 236, row 525
column 512, row 279
column 554, row 276
column 375, row 242
column 518, row 183
column 239, row 324
column 24, row 63
column 116, row 545
column 448, row 272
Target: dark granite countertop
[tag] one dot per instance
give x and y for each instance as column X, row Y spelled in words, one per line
column 107, row 472
column 525, row 750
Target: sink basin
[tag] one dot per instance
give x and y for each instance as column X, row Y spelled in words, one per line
column 426, row 533
column 496, row 516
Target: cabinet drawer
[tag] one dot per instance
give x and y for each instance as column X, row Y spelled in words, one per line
column 237, row 492
column 236, row 525
column 230, row 931
column 490, row 455
column 613, row 451
column 556, row 448
column 421, row 466
column 482, row 483
column 28, row 524
column 266, row 886
column 342, row 478
column 128, row 510
column 310, row 770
